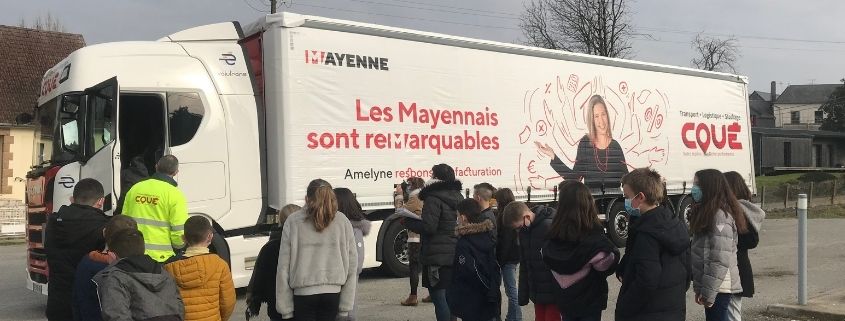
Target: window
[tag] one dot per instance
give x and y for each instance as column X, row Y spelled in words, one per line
column 184, row 115
column 70, row 135
column 41, row 156
column 69, row 128
column 819, row 116
column 795, row 117
column 103, row 129
column 753, row 120
column 787, row 154
column 45, row 128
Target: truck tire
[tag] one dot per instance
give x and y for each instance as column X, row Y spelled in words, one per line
column 617, row 223
column 220, row 247
column 395, row 250
column 683, row 208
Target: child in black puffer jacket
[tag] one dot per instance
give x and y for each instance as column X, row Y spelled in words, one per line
column 474, row 292
column 579, row 254
column 262, row 284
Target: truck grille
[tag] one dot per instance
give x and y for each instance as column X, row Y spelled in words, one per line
column 37, row 255
column 35, row 221
column 37, row 218
column 40, row 278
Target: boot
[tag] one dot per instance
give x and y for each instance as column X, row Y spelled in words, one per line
column 411, row 301
column 427, row 299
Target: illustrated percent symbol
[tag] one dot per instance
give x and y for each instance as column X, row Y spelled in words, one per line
column 654, row 118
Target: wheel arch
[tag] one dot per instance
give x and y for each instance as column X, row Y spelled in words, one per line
column 386, row 221
column 219, row 245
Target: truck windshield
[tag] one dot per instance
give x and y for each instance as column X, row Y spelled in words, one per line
column 59, row 129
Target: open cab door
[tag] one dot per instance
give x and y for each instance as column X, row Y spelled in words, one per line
column 100, row 153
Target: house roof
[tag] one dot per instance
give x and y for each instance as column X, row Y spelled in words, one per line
column 760, row 95
column 760, row 108
column 27, row 54
column 782, row 132
column 806, row 94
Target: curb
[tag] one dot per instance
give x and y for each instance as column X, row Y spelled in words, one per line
column 13, row 240
column 807, row 311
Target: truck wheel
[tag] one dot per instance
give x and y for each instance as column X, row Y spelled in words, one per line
column 220, row 247
column 683, row 208
column 617, row 224
column 395, row 256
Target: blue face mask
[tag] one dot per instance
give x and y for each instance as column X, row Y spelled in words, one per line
column 635, row 212
column 696, row 193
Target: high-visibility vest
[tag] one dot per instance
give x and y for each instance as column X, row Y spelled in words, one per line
column 160, row 209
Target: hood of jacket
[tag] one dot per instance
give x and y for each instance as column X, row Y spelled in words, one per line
column 474, row 228
column 137, row 165
column 541, row 213
column 195, row 271
column 415, row 192
column 754, row 213
column 477, row 235
column 447, row 191
column 77, row 222
column 568, row 257
column 670, row 231
column 363, row 225
column 143, row 270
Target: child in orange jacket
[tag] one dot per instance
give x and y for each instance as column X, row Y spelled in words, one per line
column 204, row 279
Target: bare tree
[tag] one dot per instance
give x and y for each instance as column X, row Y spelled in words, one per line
column 597, row 27
column 715, row 54
column 47, row 23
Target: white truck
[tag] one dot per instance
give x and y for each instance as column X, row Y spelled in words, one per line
column 254, row 112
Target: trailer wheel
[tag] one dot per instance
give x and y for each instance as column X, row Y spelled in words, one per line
column 395, row 256
column 683, row 208
column 617, row 224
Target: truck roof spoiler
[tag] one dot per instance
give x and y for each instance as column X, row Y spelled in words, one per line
column 284, row 19
column 224, row 31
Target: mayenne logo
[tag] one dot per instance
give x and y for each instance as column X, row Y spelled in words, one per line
column 316, row 57
column 229, row 59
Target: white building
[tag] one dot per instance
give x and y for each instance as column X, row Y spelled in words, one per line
column 798, row 106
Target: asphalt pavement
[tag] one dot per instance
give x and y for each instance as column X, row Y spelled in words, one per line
column 774, row 264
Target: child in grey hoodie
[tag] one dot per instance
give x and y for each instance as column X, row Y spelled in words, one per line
column 136, row 287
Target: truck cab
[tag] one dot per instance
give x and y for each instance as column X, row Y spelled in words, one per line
column 115, row 108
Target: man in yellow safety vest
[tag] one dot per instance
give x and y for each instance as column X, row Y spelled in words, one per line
column 160, row 209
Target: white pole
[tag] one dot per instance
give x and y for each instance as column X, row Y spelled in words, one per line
column 802, row 249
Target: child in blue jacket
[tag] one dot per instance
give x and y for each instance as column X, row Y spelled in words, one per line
column 474, row 293
column 86, row 305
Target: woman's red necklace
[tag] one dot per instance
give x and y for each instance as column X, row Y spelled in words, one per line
column 602, row 166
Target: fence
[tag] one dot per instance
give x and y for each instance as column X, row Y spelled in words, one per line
column 12, row 217
column 784, row 196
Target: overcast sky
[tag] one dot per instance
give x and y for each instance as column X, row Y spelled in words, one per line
column 791, row 42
